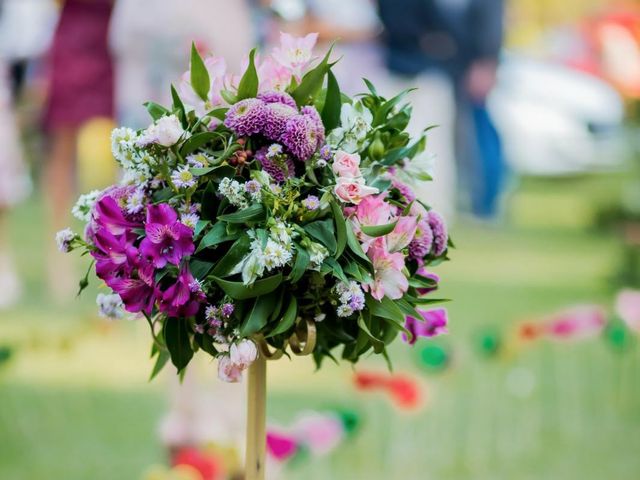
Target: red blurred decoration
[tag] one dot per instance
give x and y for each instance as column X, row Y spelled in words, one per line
column 404, row 391
column 529, row 331
column 210, row 467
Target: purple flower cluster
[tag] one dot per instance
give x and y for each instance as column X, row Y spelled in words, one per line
column 279, row 167
column 129, row 268
column 246, row 117
column 405, row 190
column 420, row 246
column 277, row 97
column 275, row 116
column 440, row 235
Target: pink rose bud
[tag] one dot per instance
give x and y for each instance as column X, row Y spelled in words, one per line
column 346, row 165
column 228, row 371
column 353, row 190
column 243, row 353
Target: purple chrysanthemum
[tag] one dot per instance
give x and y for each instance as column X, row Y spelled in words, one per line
column 278, row 97
column 421, row 244
column 440, row 235
column 246, row 117
column 313, row 114
column 405, row 190
column 301, row 136
column 279, row 168
column 275, row 119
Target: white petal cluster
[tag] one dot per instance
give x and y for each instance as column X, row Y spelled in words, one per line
column 355, row 125
column 234, row 191
column 83, row 207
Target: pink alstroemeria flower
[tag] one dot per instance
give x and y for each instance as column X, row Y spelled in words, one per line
column 273, row 76
column 371, row 211
column 388, row 279
column 183, row 298
column 219, row 80
column 433, row 323
column 167, row 240
column 295, row 53
column 137, row 294
column 113, row 255
column 402, row 234
column 107, row 214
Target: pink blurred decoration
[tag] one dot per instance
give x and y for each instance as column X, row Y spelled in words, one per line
column 576, row 323
column 320, row 432
column 628, row 308
column 281, row 446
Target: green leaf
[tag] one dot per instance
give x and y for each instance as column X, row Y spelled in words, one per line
column 200, row 226
column 331, row 264
column 354, row 245
column 234, row 255
column 251, row 213
column 196, row 141
column 199, row 268
column 323, row 231
column 248, row 86
column 382, row 112
column 418, row 281
column 332, row 103
column 388, row 310
column 341, row 228
column 378, row 230
column 161, row 361
column 371, row 87
column 300, row 265
column 396, row 154
column 215, row 236
column 178, row 106
column 378, row 344
column 288, row 319
column 228, row 96
column 216, row 172
column 156, row 111
column 176, row 336
column 258, row 315
column 312, row 81
column 240, row 291
column 200, row 81
column 407, row 308
column 205, row 342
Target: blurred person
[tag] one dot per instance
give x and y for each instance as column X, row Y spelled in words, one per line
column 80, row 88
column 449, row 50
column 14, row 186
column 149, row 58
column 26, row 28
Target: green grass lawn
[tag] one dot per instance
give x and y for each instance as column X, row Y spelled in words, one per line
column 75, row 403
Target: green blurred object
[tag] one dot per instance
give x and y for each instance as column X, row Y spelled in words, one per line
column 489, row 342
column 6, row 352
column 350, row 419
column 434, row 357
column 618, row 336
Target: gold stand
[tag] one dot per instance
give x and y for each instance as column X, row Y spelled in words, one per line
column 302, row 342
column 256, row 419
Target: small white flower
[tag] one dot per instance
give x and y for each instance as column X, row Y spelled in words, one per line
column 344, row 311
column 110, row 306
column 190, row 220
column 274, row 150
column 64, row 239
column 317, row 255
column 320, row 317
column 275, row 255
column 183, row 178
column 82, row 209
column 233, row 191
column 135, row 201
column 282, row 233
column 198, row 160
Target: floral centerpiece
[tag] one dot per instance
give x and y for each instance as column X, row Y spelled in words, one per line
column 258, row 202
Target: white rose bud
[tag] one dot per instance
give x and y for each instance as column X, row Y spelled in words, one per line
column 168, row 130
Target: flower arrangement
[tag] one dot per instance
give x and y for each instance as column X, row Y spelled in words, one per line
column 260, row 201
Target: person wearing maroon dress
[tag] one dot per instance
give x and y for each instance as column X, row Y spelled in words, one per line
column 80, row 88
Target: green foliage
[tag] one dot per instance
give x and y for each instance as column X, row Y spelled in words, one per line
column 200, row 81
column 248, row 86
column 176, row 337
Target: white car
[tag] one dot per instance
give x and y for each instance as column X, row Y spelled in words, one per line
column 554, row 120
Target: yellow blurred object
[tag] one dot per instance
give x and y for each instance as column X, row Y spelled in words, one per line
column 185, row 472
column 96, row 167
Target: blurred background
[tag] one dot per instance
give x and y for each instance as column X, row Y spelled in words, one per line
column 536, row 162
